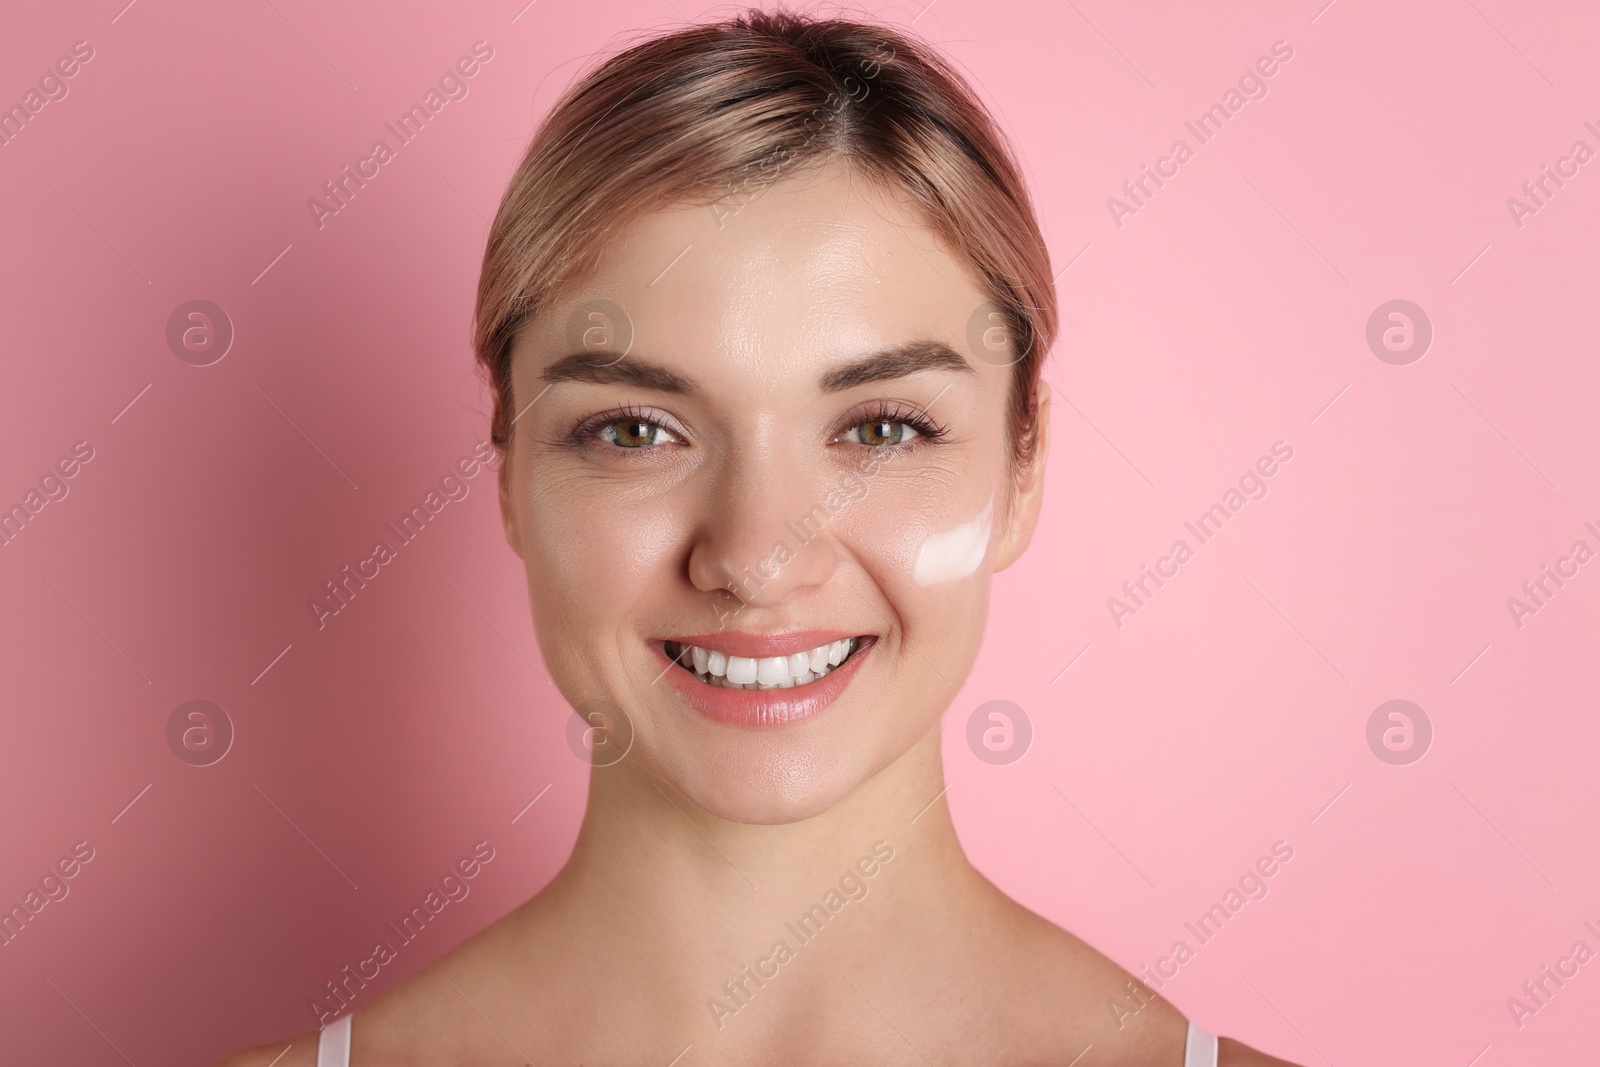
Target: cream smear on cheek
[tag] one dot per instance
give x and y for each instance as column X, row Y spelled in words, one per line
column 954, row 554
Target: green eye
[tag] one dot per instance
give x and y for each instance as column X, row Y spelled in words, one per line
column 881, row 432
column 635, row 433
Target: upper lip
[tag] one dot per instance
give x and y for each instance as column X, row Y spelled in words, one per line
column 758, row 646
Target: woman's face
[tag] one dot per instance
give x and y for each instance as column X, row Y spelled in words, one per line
column 753, row 433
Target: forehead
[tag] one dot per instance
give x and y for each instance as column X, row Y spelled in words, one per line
column 820, row 264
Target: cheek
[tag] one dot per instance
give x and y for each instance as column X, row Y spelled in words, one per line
column 596, row 548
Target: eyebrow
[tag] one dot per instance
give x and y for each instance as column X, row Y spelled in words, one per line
column 602, row 369
column 897, row 361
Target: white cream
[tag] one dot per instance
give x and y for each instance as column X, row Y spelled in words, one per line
column 954, row 554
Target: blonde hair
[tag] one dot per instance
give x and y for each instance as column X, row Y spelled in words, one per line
column 714, row 110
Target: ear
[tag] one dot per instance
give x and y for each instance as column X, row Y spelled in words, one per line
column 508, row 511
column 1028, row 493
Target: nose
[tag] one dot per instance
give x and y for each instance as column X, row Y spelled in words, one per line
column 763, row 535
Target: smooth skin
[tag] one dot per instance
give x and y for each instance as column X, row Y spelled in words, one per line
column 699, row 847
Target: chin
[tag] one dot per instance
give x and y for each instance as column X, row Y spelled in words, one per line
column 770, row 777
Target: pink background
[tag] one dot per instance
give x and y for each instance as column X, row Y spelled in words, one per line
column 1229, row 313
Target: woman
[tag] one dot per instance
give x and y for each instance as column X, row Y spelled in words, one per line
column 763, row 312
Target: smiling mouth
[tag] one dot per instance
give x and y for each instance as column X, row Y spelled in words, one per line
column 767, row 672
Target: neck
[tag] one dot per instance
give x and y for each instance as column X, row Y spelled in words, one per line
column 656, row 866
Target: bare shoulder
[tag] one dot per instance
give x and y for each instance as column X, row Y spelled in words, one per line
column 436, row 1015
column 1091, row 998
column 297, row 1051
column 1231, row 1053
column 1068, row 993
column 406, row 1023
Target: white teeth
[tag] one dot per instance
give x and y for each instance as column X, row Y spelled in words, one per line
column 766, row 672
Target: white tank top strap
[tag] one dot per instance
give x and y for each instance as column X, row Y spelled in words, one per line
column 333, row 1043
column 1199, row 1048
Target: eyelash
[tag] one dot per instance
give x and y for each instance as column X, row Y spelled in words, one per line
column 589, row 430
column 927, row 430
column 918, row 420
